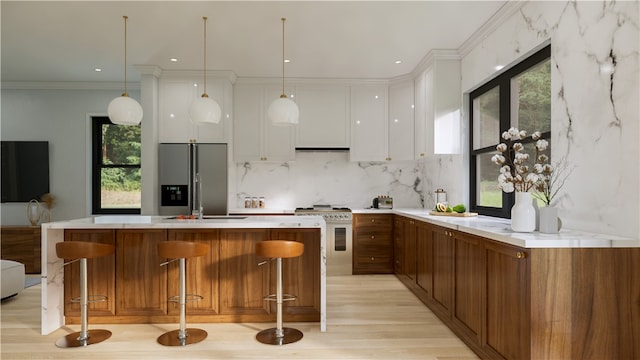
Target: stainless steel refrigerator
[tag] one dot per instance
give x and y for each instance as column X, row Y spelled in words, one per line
column 192, row 178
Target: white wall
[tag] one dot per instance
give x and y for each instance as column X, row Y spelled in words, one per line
column 595, row 113
column 60, row 117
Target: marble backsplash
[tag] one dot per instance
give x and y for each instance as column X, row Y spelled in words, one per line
column 328, row 177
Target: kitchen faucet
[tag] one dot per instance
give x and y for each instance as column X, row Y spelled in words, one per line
column 198, row 196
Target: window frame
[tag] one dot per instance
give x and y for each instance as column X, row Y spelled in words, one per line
column 503, row 81
column 96, row 170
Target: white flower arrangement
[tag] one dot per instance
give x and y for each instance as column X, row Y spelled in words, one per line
column 516, row 171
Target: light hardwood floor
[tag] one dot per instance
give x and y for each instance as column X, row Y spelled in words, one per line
column 368, row 317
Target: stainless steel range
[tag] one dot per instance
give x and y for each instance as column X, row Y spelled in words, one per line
column 339, row 236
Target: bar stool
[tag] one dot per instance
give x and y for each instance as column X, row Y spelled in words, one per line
column 279, row 249
column 82, row 250
column 181, row 250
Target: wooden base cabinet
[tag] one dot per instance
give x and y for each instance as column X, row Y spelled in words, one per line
column 506, row 314
column 373, row 244
column 467, row 285
column 228, row 278
column 507, row 302
column 405, row 247
column 141, row 283
column 22, row 244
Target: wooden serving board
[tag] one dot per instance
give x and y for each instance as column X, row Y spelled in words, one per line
column 455, row 214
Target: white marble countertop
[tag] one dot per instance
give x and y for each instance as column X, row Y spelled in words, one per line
column 500, row 229
column 165, row 222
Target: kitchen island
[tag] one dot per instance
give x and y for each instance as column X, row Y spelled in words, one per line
column 229, row 278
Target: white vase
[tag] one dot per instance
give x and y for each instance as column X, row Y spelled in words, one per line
column 523, row 214
column 549, row 220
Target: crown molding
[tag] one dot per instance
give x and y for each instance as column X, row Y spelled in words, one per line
column 197, row 74
column 504, row 13
column 308, row 81
column 68, row 85
column 431, row 57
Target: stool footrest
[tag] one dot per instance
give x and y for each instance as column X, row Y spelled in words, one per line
column 91, row 299
column 189, row 297
column 285, row 297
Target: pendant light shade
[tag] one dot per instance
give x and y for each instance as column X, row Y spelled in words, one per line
column 283, row 111
column 204, row 109
column 124, row 110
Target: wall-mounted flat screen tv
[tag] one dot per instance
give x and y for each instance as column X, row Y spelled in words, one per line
column 25, row 170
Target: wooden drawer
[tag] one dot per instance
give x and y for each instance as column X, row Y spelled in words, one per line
column 362, row 221
column 373, row 264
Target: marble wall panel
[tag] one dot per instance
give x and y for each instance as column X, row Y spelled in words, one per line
column 326, row 177
column 595, row 113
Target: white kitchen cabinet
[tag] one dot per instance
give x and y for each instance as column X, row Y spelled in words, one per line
column 401, row 122
column 369, row 123
column 324, row 116
column 438, row 107
column 176, row 96
column 254, row 138
column 420, row 113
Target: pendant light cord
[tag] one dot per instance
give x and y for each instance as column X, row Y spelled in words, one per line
column 283, row 94
column 204, row 65
column 125, row 55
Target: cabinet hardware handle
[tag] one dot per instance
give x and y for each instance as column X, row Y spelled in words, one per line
column 372, row 258
column 373, row 237
column 373, row 220
column 521, row 255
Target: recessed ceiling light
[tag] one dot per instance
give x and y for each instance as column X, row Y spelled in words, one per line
column 498, row 67
column 97, row 70
column 287, row 60
column 173, row 60
column 398, row 61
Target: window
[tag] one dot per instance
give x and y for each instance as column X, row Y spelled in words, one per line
column 519, row 97
column 115, row 168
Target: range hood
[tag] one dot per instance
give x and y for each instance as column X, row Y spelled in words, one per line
column 323, row 149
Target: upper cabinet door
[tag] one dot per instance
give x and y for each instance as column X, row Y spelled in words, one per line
column 324, row 116
column 176, row 96
column 220, row 91
column 247, row 133
column 401, row 121
column 278, row 141
column 254, row 138
column 369, row 125
column 420, row 115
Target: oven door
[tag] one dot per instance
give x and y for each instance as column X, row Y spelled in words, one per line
column 339, row 249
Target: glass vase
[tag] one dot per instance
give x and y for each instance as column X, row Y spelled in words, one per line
column 33, row 212
column 523, row 214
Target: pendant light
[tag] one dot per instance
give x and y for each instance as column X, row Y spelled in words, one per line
column 283, row 111
column 204, row 109
column 124, row 110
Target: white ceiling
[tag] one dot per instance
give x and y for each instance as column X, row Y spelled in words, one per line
column 67, row 40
